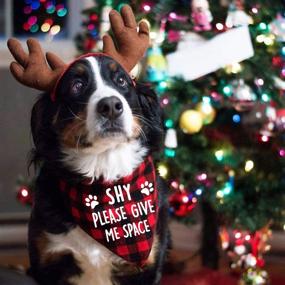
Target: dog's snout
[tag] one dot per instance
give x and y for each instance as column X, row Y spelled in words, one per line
column 110, row 107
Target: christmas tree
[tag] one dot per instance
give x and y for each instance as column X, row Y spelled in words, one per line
column 218, row 68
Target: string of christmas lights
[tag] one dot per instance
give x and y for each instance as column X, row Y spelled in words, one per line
column 42, row 16
column 225, row 130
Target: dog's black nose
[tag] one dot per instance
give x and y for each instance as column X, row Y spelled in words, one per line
column 110, row 107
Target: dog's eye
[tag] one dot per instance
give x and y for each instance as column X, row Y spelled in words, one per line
column 77, row 86
column 121, row 82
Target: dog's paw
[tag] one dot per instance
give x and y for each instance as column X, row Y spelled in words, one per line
column 147, row 188
column 91, row 201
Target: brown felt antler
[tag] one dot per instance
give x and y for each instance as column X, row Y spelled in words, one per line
column 42, row 72
column 35, row 69
column 131, row 43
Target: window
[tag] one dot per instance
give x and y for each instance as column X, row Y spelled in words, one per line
column 2, row 18
column 40, row 18
column 44, row 19
column 35, row 13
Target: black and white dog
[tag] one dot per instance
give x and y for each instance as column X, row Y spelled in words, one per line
column 100, row 125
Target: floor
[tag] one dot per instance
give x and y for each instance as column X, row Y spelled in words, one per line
column 192, row 273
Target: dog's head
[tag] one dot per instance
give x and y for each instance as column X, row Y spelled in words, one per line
column 98, row 118
column 98, row 114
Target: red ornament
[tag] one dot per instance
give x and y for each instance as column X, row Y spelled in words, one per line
column 277, row 61
column 173, row 36
column 182, row 203
column 89, row 44
column 25, row 196
column 94, row 17
column 280, row 120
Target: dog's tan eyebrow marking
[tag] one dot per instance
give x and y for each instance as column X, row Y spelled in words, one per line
column 113, row 66
column 80, row 69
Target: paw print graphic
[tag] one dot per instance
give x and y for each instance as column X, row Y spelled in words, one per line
column 147, row 188
column 91, row 201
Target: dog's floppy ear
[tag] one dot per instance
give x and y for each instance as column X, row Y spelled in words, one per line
column 147, row 95
column 41, row 120
column 152, row 111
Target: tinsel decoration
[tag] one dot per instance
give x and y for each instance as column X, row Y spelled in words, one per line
column 246, row 253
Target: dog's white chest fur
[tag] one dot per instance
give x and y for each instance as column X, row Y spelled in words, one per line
column 94, row 259
column 112, row 164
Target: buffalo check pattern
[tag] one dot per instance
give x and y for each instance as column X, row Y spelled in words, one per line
column 134, row 249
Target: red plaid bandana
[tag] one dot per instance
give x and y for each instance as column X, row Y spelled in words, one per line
column 121, row 215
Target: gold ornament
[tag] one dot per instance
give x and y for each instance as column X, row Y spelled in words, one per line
column 207, row 111
column 191, row 121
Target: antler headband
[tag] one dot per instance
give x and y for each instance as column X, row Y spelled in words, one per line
column 42, row 72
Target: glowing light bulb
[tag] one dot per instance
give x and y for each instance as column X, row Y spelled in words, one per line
column 219, row 154
column 259, row 82
column 169, row 152
column 227, row 189
column 173, row 15
column 206, row 99
column 198, row 192
column 185, row 199
column 24, row 192
column 249, row 165
column 194, row 200
column 262, row 26
column 32, row 20
column 220, row 194
column 268, row 41
column 219, row 26
column 34, row 28
column 45, row 27
column 202, row 177
column 162, row 85
column 165, row 101
column 55, row 30
column 231, row 173
column 62, row 12
column 227, row 90
column 163, row 170
column 282, row 152
column 254, row 10
column 181, row 187
column 247, row 237
column 237, row 235
column 169, row 123
column 234, row 68
column 264, row 138
column 236, row 118
column 265, row 97
column 146, row 8
column 260, row 38
column 174, row 184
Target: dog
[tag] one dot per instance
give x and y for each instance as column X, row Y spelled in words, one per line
column 101, row 126
column 100, row 213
